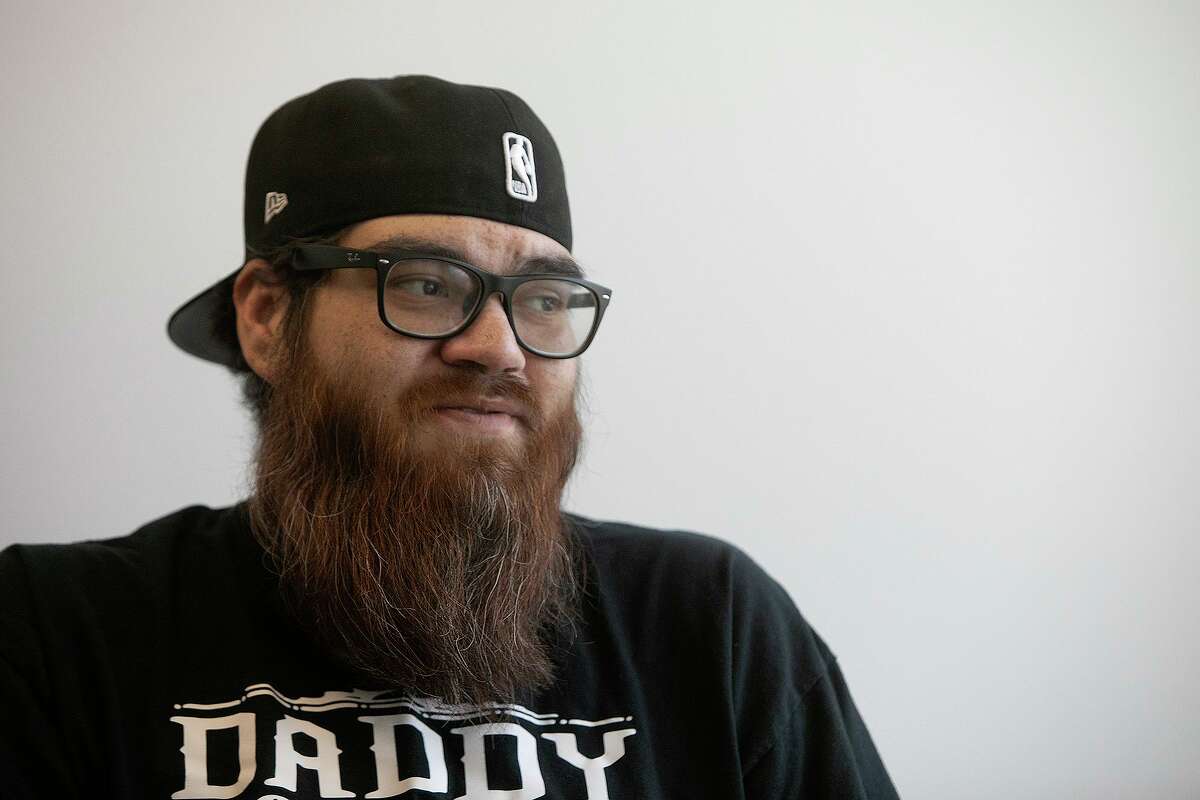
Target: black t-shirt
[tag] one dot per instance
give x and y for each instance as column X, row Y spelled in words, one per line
column 164, row 664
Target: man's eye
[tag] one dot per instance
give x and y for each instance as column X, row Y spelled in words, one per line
column 420, row 287
column 546, row 303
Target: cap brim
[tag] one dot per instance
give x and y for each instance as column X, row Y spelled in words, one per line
column 191, row 326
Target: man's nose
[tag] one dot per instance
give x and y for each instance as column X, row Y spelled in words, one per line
column 488, row 341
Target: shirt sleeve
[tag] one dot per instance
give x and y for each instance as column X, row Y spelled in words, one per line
column 825, row 751
column 33, row 760
column 801, row 733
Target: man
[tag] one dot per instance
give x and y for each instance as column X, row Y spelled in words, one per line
column 401, row 607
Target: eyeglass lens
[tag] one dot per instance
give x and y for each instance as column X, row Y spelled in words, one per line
column 431, row 297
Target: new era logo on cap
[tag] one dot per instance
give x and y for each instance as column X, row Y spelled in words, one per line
column 276, row 202
column 520, row 176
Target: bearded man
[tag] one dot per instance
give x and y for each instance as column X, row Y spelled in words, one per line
column 401, row 606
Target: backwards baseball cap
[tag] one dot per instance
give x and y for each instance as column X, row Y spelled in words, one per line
column 364, row 148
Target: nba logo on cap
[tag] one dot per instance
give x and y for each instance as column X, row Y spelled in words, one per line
column 276, row 202
column 520, row 177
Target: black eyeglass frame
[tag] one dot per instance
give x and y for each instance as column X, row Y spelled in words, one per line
column 320, row 256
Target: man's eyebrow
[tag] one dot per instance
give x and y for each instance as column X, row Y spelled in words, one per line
column 554, row 265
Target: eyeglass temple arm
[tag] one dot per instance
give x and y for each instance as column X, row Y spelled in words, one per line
column 317, row 256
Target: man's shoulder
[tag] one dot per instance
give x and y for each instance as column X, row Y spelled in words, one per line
column 118, row 571
column 631, row 547
column 60, row 597
column 691, row 566
column 702, row 588
column 628, row 535
column 153, row 539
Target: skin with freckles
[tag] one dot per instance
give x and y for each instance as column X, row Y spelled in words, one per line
column 420, row 548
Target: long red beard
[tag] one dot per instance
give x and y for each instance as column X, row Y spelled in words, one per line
column 439, row 565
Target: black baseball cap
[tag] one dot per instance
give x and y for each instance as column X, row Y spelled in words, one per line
column 364, row 148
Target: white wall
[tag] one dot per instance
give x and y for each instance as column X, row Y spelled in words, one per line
column 905, row 305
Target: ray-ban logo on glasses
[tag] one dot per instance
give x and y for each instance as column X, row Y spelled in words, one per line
column 520, row 176
column 276, row 202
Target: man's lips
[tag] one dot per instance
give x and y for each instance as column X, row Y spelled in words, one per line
column 491, row 422
column 494, row 415
column 487, row 407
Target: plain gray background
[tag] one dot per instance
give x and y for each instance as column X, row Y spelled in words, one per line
column 905, row 305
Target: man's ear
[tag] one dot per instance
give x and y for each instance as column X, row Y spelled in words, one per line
column 260, row 297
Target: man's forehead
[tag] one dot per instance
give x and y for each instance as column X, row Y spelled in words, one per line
column 494, row 246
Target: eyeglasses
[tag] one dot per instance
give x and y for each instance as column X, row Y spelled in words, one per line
column 434, row 297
